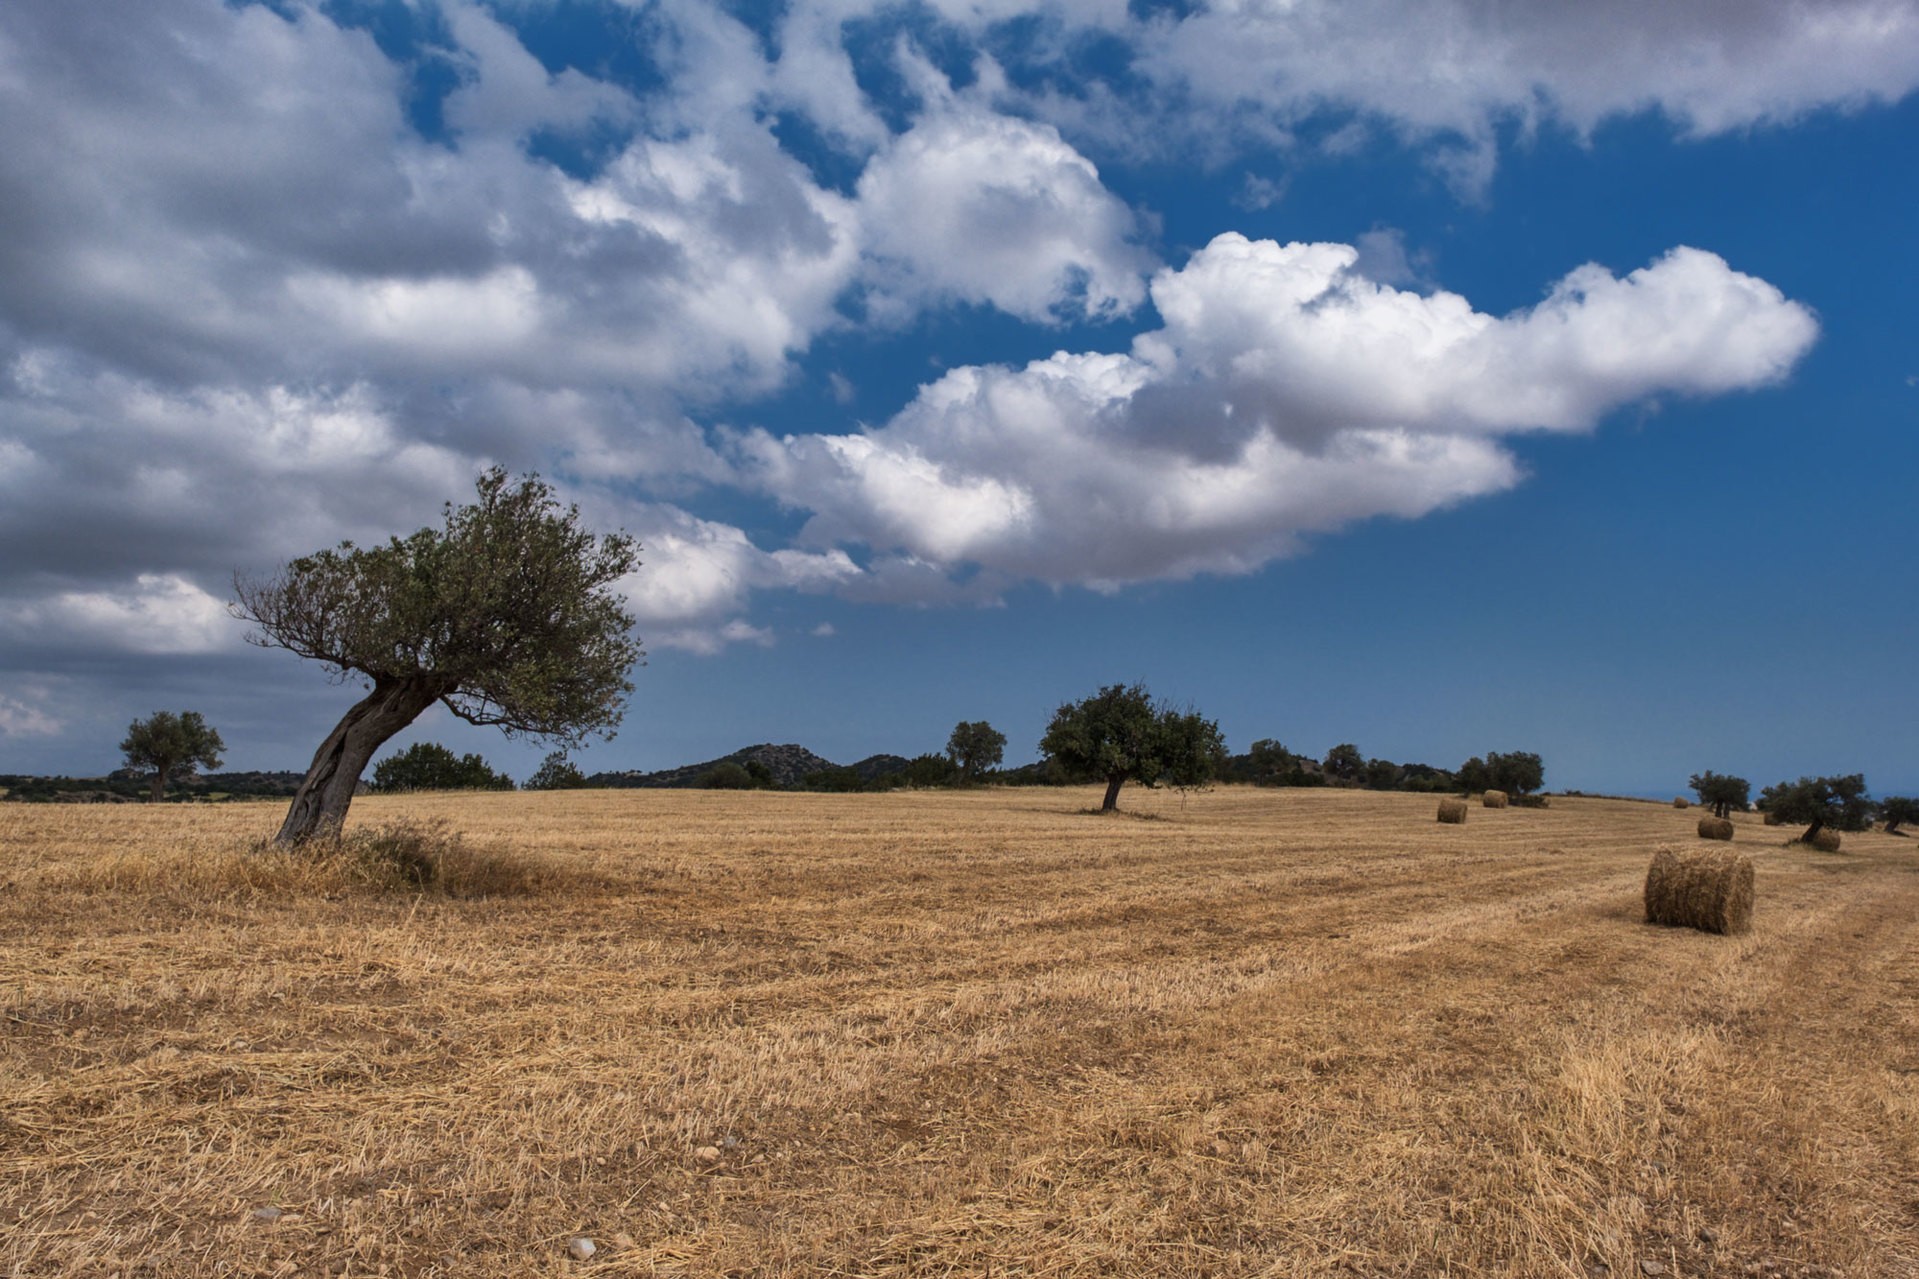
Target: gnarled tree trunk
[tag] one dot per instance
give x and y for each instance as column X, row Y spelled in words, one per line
column 159, row 791
column 1113, row 784
column 319, row 806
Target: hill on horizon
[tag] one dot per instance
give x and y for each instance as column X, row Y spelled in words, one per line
column 787, row 764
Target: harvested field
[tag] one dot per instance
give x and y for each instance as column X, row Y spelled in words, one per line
column 1273, row 1033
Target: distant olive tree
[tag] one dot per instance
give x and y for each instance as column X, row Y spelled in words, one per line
column 1897, row 811
column 1840, row 802
column 728, row 774
column 1120, row 734
column 431, row 766
column 556, row 772
column 1344, row 764
column 975, row 748
column 508, row 615
column 1515, row 772
column 1721, row 793
column 173, row 746
column 1268, row 762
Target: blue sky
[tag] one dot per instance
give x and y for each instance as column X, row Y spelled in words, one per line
column 1433, row 377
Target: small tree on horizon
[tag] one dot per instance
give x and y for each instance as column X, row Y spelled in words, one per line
column 173, row 746
column 1120, row 734
column 1344, row 764
column 507, row 616
column 1897, row 811
column 556, row 772
column 431, row 766
column 1515, row 772
column 1269, row 762
column 1719, row 792
column 975, row 748
column 1840, row 802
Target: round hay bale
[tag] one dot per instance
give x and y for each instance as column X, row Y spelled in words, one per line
column 1680, row 801
column 1715, row 828
column 1707, row 889
column 1495, row 799
column 1826, row 840
column 1452, row 812
column 1772, row 819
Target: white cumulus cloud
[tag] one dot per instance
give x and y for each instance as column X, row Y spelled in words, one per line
column 155, row 613
column 986, row 208
column 1287, row 393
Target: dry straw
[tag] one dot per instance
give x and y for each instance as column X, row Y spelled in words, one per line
column 1773, row 819
column 1679, row 801
column 1715, row 828
column 1452, row 811
column 1710, row 890
column 1825, row 839
column 1495, row 799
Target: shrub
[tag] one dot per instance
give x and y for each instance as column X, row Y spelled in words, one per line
column 431, row 766
column 556, row 772
column 726, row 775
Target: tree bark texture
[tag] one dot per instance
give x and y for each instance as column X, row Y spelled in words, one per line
column 159, row 787
column 319, row 807
column 1112, row 793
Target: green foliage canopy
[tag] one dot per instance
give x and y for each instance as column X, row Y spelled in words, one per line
column 975, row 747
column 1344, row 764
column 1120, row 734
column 508, row 615
column 556, row 772
column 431, row 766
column 172, row 746
column 1840, row 802
column 1719, row 792
column 1515, row 772
column 1897, row 811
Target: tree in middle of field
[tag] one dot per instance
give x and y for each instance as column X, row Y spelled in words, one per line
column 1840, row 802
column 172, row 746
column 1720, row 792
column 975, row 747
column 1898, row 810
column 1120, row 734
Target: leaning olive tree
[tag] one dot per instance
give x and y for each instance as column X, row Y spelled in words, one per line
column 1839, row 802
column 506, row 616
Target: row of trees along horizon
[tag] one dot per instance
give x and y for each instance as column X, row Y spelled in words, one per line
column 508, row 616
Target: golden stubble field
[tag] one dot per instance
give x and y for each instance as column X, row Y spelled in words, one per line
column 1278, row 1033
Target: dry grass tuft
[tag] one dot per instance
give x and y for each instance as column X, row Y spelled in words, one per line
column 1715, row 827
column 404, row 856
column 1495, row 799
column 1452, row 811
column 1680, row 801
column 1709, row 890
column 1825, row 839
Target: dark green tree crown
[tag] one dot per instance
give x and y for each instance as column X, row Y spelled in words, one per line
column 171, row 744
column 507, row 614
